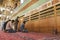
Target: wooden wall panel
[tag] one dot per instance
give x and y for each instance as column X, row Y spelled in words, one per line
column 43, row 26
column 30, row 26
column 58, row 23
column 36, row 26
column 27, row 25
column 51, row 22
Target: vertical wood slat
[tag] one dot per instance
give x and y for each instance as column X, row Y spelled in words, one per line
column 55, row 28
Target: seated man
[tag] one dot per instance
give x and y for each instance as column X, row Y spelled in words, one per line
column 22, row 27
column 9, row 26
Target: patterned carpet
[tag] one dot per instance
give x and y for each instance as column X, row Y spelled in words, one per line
column 27, row 36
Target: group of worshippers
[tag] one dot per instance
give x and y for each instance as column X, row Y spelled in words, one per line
column 12, row 26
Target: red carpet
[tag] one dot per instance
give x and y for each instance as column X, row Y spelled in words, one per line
column 27, row 36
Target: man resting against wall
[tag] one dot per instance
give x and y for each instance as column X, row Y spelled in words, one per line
column 22, row 27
